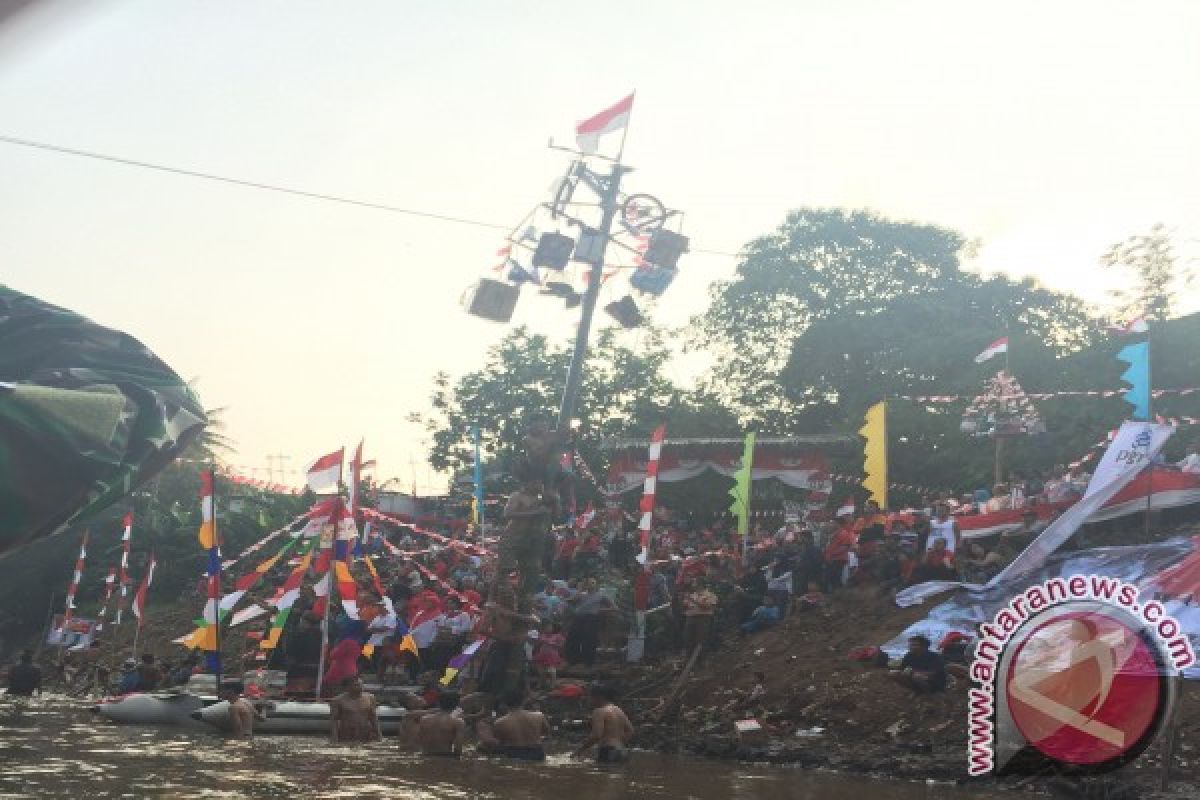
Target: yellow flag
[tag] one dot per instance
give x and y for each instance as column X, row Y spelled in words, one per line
column 875, row 453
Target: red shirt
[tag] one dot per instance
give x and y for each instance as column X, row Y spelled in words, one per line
column 840, row 545
column 473, row 597
column 567, row 547
column 591, row 544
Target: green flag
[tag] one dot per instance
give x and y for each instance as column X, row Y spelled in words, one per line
column 740, row 492
column 87, row 414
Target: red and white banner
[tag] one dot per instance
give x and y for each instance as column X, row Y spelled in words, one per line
column 74, row 587
column 614, row 118
column 324, row 473
column 123, row 573
column 803, row 469
column 649, row 487
column 139, row 599
column 994, row 349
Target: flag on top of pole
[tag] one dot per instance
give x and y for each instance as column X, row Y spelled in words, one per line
column 614, row 118
column 1137, row 356
column 994, row 349
column 139, row 599
column 324, row 473
column 356, row 466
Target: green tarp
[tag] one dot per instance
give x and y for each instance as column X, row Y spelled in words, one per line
column 87, row 413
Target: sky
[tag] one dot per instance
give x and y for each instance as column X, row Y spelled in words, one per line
column 1046, row 131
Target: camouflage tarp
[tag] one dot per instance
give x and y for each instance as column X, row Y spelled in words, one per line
column 87, row 414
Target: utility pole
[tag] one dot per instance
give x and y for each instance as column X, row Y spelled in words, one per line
column 611, row 187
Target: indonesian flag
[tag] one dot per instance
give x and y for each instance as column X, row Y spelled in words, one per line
column 139, row 599
column 994, row 349
column 326, row 471
column 585, row 519
column 1135, row 326
column 846, row 510
column 588, row 132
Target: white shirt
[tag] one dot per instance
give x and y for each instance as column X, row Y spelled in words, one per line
column 424, row 634
column 1191, row 464
column 943, row 531
column 457, row 624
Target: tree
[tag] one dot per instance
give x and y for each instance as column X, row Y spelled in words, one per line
column 1158, row 277
column 624, row 393
column 817, row 264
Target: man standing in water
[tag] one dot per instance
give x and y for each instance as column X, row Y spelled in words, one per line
column 518, row 734
column 611, row 729
column 353, row 715
column 441, row 733
column 23, row 677
column 242, row 713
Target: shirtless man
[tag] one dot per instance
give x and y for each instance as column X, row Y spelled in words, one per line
column 518, row 734
column 523, row 542
column 242, row 713
column 611, row 729
column 441, row 733
column 353, row 715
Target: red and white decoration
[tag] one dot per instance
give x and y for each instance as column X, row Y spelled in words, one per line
column 649, row 487
column 614, row 118
column 109, row 582
column 1134, row 326
column 800, row 470
column 139, row 599
column 324, row 473
column 74, row 587
column 123, row 574
column 994, row 349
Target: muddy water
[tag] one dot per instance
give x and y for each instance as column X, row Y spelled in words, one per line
column 52, row 748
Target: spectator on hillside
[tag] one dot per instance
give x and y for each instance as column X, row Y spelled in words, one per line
column 921, row 669
column 764, row 616
column 699, row 608
column 838, row 551
column 1191, row 462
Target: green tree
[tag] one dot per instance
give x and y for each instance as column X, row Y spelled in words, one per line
column 624, row 393
column 1156, row 276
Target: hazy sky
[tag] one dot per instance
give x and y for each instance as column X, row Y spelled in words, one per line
column 1046, row 129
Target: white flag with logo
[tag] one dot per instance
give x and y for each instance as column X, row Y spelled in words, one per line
column 1132, row 449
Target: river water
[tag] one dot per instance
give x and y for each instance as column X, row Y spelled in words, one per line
column 52, row 747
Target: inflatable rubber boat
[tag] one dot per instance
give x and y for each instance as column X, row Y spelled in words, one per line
column 289, row 716
column 153, row 708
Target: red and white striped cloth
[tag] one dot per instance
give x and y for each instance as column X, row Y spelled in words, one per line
column 613, row 118
column 74, row 587
column 648, row 490
column 123, row 574
column 109, row 582
column 139, row 599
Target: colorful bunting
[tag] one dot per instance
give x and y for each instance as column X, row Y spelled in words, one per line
column 875, row 462
column 1137, row 356
column 743, row 481
column 289, row 592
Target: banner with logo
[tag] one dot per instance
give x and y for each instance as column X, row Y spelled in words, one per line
column 1154, row 568
column 79, row 632
column 1133, row 448
column 798, row 468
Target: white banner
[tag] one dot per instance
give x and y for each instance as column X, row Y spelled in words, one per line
column 1132, row 449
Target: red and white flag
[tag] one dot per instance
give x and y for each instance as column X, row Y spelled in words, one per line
column 588, row 132
column 326, row 471
column 356, row 466
column 846, row 510
column 994, row 349
column 139, row 599
column 1135, row 326
column 648, row 491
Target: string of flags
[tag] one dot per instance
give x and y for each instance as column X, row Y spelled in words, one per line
column 445, row 541
column 954, row 398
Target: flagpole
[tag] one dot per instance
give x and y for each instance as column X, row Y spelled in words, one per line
column 212, row 474
column 329, row 586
